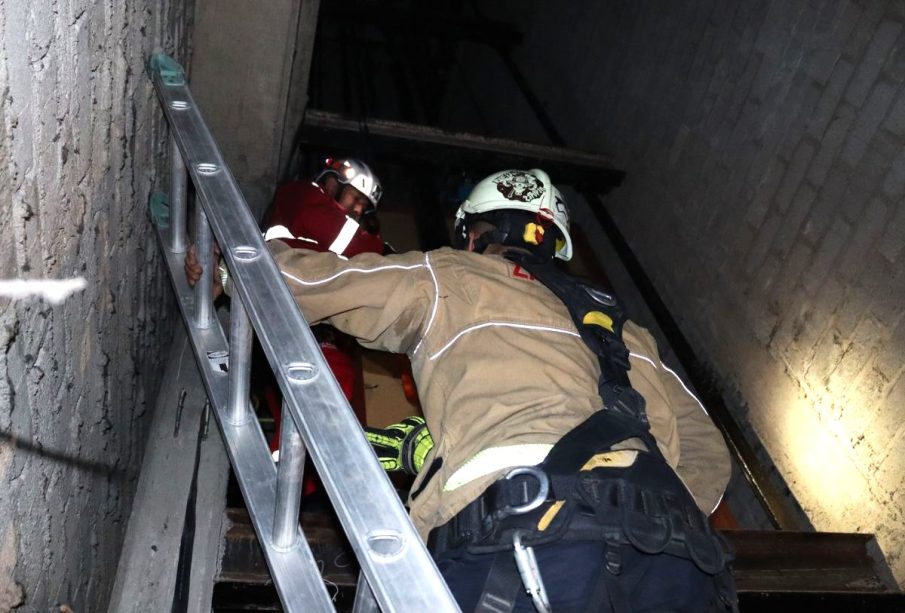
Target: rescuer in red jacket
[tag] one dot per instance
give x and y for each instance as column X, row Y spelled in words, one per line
column 325, row 215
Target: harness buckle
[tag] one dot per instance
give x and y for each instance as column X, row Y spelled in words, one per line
column 526, row 562
column 539, row 499
column 491, row 519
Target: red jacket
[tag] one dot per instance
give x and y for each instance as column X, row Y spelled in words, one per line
column 305, row 216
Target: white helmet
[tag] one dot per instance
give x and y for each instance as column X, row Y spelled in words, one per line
column 519, row 190
column 356, row 173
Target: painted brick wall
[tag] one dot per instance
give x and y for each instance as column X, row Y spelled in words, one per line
column 81, row 142
column 765, row 147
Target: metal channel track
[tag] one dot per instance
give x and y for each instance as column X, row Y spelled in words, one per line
column 398, row 568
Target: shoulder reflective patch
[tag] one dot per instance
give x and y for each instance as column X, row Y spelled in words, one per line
column 598, row 318
column 621, row 458
column 345, row 236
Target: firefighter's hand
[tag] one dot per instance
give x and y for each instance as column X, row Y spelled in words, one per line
column 193, row 270
column 402, row 446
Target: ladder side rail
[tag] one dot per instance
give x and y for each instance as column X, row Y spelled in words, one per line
column 248, row 453
column 364, row 597
column 400, row 571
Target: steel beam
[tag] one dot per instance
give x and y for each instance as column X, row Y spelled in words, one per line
column 396, row 139
column 769, row 566
column 243, row 561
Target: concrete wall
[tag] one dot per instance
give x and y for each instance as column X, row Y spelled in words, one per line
column 764, row 144
column 81, row 142
column 244, row 76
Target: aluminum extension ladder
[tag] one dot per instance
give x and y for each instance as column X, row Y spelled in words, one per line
column 397, row 572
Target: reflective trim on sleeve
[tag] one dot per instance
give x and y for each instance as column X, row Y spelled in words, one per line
column 430, row 321
column 348, row 270
column 643, row 357
column 685, row 387
column 501, row 324
column 673, row 373
column 345, row 236
column 695, row 398
column 277, row 232
column 493, row 459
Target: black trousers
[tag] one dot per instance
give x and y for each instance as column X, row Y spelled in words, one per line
column 570, row 571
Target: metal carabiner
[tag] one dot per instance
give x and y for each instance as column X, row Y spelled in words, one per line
column 529, row 571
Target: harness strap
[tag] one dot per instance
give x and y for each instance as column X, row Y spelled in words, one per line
column 502, row 586
column 608, row 595
column 599, row 319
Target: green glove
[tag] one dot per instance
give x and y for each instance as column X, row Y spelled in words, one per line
column 402, row 446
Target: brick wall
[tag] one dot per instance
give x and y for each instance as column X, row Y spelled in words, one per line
column 765, row 146
column 81, row 142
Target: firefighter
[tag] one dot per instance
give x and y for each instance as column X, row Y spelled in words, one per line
column 326, row 214
column 569, row 468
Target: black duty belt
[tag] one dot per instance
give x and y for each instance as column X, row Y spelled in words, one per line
column 577, row 494
column 516, row 500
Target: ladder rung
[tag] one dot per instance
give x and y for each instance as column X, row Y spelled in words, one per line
column 295, row 572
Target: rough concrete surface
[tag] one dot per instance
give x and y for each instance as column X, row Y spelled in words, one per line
column 146, row 576
column 764, row 198
column 241, row 66
column 81, row 145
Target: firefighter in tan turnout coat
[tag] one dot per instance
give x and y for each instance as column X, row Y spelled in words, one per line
column 614, row 518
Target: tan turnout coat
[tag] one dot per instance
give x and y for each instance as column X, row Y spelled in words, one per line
column 497, row 361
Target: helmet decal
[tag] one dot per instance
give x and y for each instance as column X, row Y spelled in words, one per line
column 520, row 185
column 500, row 197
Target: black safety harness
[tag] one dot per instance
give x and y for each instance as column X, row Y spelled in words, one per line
column 585, row 490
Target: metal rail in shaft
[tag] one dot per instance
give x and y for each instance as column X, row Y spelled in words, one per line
column 397, row 568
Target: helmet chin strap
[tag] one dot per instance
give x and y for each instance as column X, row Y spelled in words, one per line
column 489, row 238
column 508, row 232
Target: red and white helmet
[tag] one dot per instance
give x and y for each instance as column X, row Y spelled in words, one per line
column 519, row 190
column 356, row 173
